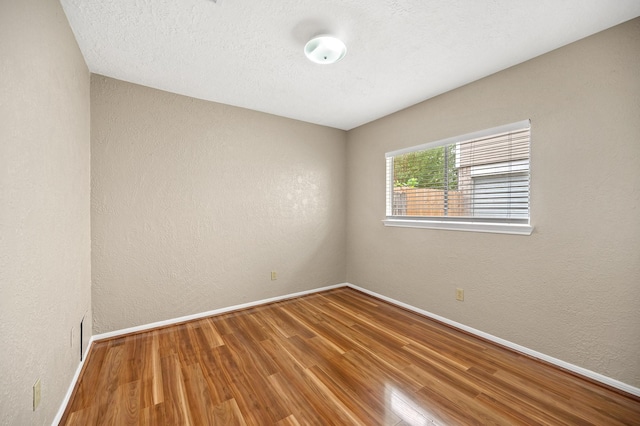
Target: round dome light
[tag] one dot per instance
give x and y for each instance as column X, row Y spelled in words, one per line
column 325, row 49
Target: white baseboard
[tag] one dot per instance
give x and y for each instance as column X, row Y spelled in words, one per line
column 185, row 318
column 74, row 380
column 535, row 354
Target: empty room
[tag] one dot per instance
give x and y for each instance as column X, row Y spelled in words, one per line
column 393, row 212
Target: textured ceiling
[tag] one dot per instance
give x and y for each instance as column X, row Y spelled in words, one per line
column 249, row 53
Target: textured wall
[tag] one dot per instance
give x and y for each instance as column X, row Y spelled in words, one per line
column 195, row 203
column 570, row 290
column 45, row 272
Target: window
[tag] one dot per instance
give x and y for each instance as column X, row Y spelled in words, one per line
column 474, row 182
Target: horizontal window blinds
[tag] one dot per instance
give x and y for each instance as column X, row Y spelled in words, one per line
column 477, row 177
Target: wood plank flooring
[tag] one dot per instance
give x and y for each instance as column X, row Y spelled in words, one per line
column 334, row 358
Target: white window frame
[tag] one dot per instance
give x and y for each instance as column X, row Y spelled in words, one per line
column 479, row 225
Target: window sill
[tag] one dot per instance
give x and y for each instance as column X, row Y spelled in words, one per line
column 495, row 228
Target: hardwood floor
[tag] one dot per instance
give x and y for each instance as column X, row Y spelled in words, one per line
column 334, row 358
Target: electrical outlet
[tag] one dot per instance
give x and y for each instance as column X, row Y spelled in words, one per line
column 459, row 294
column 36, row 394
column 274, row 275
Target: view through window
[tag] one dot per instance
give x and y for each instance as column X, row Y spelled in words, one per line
column 480, row 177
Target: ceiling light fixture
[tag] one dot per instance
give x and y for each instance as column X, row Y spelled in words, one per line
column 325, row 49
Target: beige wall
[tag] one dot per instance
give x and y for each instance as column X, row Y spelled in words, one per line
column 45, row 273
column 570, row 290
column 195, row 203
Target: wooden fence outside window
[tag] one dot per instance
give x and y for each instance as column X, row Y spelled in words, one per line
column 427, row 202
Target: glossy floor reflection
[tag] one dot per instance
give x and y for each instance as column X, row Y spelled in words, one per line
column 406, row 409
column 334, row 358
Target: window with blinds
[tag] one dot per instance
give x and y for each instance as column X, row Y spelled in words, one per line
column 480, row 178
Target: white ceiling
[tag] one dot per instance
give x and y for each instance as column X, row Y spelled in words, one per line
column 249, row 53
